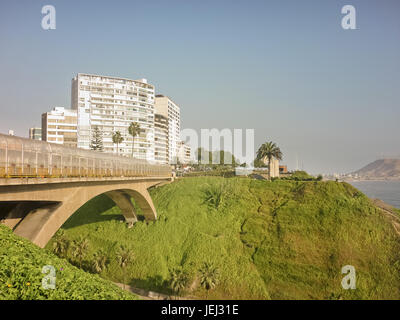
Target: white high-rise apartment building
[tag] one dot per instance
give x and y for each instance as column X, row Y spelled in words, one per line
column 184, row 153
column 161, row 154
column 111, row 104
column 59, row 126
column 166, row 107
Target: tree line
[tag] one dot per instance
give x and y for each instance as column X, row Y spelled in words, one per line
column 217, row 159
column 96, row 142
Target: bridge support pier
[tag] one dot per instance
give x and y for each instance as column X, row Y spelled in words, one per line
column 144, row 201
column 17, row 213
column 31, row 226
column 123, row 201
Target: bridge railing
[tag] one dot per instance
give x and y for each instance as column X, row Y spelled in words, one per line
column 20, row 157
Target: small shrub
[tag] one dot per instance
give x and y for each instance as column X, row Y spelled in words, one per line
column 179, row 280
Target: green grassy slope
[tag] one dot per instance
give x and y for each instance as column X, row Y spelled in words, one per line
column 279, row 240
column 21, row 264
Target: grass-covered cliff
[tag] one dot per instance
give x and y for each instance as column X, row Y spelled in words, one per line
column 279, row 240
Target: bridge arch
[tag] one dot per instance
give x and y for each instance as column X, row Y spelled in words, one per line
column 62, row 201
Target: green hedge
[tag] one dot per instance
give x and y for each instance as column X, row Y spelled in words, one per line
column 21, row 264
column 211, row 173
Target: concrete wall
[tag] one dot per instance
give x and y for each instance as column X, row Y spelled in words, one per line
column 274, row 168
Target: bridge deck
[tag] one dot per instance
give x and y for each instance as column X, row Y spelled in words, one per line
column 36, row 181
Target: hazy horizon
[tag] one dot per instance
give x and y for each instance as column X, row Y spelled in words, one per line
column 327, row 96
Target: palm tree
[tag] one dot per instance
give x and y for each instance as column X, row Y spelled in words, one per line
column 117, row 139
column 179, row 280
column 134, row 130
column 60, row 244
column 80, row 249
column 202, row 156
column 209, row 277
column 124, row 256
column 99, row 262
column 269, row 150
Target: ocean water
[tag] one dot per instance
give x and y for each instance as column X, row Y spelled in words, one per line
column 388, row 191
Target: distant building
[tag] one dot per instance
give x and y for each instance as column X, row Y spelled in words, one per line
column 60, row 126
column 10, row 132
column 169, row 109
column 111, row 104
column 184, row 153
column 161, row 153
column 283, row 169
column 35, row 133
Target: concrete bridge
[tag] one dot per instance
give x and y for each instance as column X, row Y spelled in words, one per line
column 35, row 208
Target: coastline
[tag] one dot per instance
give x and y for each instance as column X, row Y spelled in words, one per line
column 370, row 179
column 387, row 191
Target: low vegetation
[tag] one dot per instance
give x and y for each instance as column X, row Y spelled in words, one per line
column 301, row 176
column 219, row 172
column 21, row 265
column 261, row 240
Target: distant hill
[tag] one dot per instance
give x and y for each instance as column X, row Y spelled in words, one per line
column 384, row 168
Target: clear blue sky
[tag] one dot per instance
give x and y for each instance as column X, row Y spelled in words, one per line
column 285, row 68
